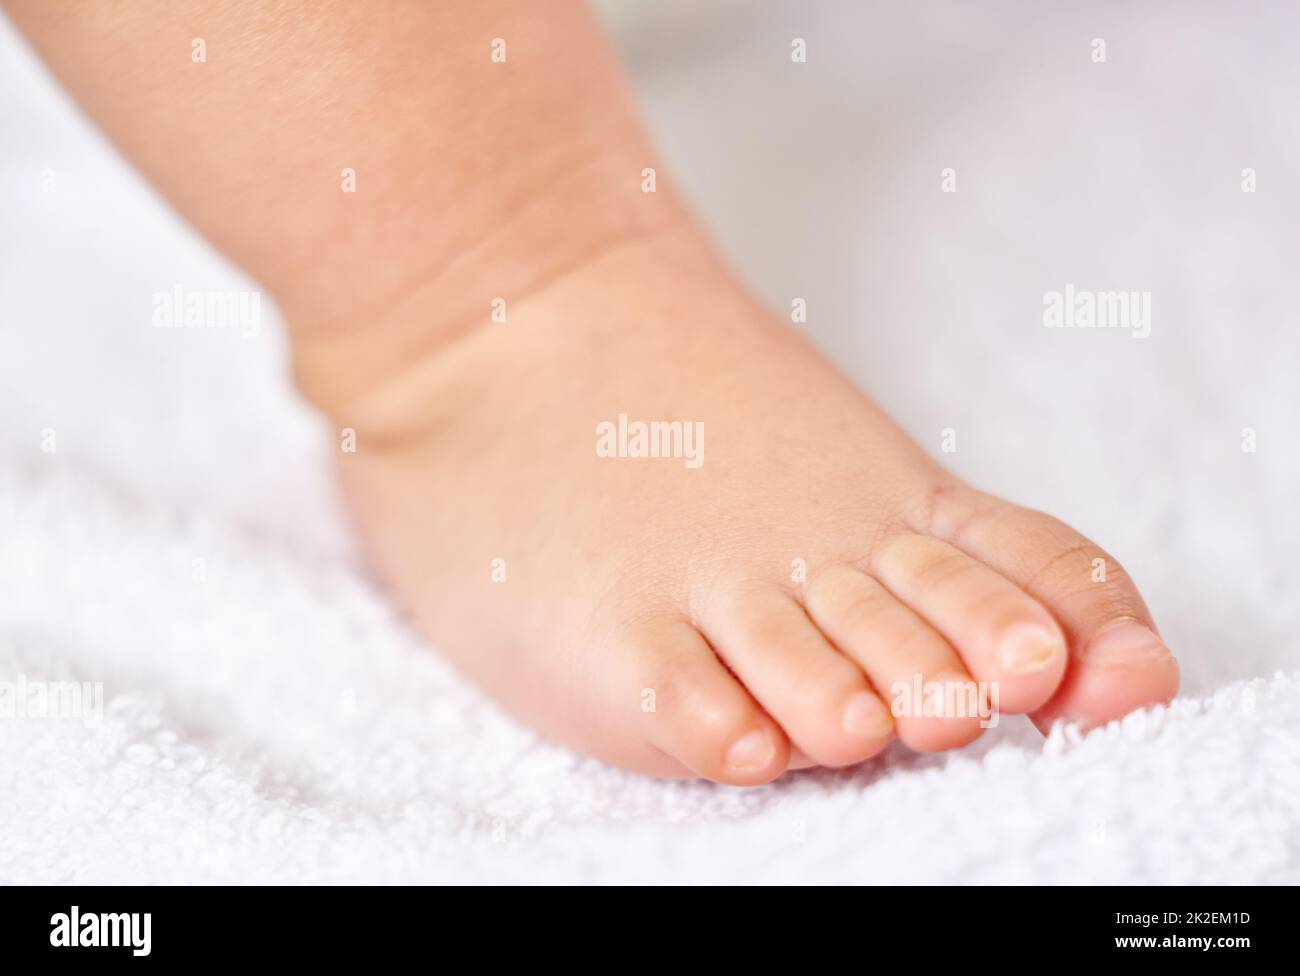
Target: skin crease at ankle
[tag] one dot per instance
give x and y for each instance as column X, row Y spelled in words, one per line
column 472, row 179
column 347, row 365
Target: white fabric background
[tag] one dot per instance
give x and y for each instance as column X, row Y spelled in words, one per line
column 276, row 723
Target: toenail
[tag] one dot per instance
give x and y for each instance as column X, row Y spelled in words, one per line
column 753, row 750
column 1125, row 642
column 866, row 715
column 1029, row 649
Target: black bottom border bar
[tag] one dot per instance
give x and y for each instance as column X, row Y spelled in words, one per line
column 144, row 926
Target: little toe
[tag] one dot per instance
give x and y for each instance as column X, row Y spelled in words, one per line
column 695, row 711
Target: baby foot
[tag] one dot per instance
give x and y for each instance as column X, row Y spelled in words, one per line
column 771, row 595
column 496, row 305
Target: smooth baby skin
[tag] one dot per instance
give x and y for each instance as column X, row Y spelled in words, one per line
column 498, row 286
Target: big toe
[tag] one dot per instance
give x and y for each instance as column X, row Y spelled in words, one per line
column 1122, row 666
column 1118, row 662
